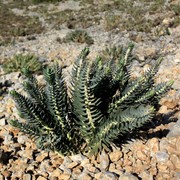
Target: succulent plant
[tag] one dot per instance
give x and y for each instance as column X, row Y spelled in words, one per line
column 102, row 103
column 20, row 61
column 79, row 36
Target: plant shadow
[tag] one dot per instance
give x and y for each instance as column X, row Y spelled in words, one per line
column 148, row 131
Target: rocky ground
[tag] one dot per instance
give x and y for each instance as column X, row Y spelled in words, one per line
column 154, row 156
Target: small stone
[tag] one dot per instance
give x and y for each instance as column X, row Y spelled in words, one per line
column 56, row 173
column 22, row 138
column 162, row 156
column 8, row 138
column 163, row 144
column 28, row 153
column 78, row 158
column 146, row 175
column 167, row 21
column 45, row 166
column 174, row 130
column 127, row 162
column 65, row 169
column 6, row 174
column 64, row 176
column 170, row 104
column 153, row 169
column 119, row 164
column 178, row 144
column 128, row 176
column 3, row 122
column 163, row 109
column 41, row 178
column 176, row 161
column 41, row 156
column 27, row 177
column 153, row 146
column 141, row 155
column 72, row 165
column 163, row 168
column 1, row 177
column 30, row 168
column 115, row 155
column 106, row 175
column 104, row 161
column 55, row 159
column 77, row 170
column 67, row 161
column 84, row 176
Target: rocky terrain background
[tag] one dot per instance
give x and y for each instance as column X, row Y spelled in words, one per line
column 41, row 29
